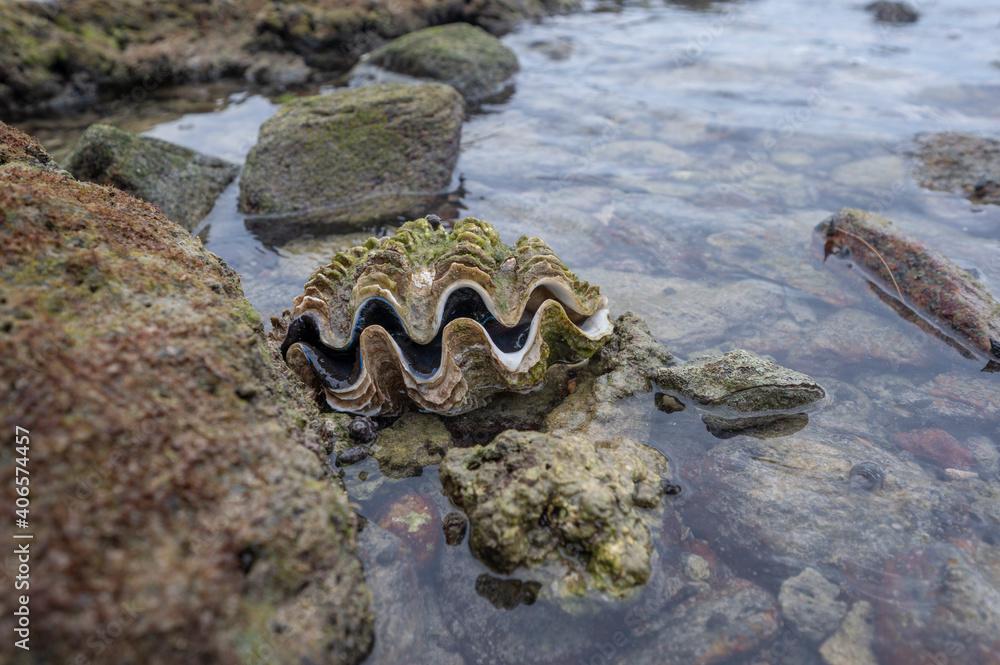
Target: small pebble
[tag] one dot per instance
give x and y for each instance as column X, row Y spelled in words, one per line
column 352, row 456
column 668, row 403
column 362, row 429
column 455, row 526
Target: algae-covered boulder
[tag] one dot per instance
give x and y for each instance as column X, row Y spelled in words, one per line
column 742, row 381
column 179, row 509
column 354, row 157
column 585, row 505
column 468, row 58
column 181, row 182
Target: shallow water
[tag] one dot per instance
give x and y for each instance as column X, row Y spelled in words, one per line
column 680, row 158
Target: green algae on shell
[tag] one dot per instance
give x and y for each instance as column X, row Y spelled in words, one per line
column 441, row 318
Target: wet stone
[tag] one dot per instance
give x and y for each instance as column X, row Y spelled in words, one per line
column 464, row 56
column 885, row 11
column 455, row 527
column 362, row 429
column 809, row 602
column 965, row 163
column 852, row 643
column 587, row 506
column 414, row 441
column 353, row 455
column 506, row 594
column 181, row 182
column 742, row 381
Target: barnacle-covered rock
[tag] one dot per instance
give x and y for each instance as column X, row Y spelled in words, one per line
column 441, row 318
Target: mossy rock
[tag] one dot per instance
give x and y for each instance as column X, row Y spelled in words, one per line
column 585, row 505
column 180, row 499
column 354, row 157
column 468, row 58
column 181, row 182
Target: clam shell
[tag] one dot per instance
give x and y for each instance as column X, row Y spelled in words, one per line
column 443, row 319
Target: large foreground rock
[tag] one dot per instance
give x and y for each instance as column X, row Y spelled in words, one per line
column 465, row 57
column 178, row 512
column 181, row 182
column 354, row 157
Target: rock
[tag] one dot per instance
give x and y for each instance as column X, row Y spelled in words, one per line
column 506, row 594
column 852, row 643
column 415, row 522
column 536, row 498
column 759, row 427
column 352, row 455
column 455, row 526
column 846, row 522
column 627, row 364
column 467, row 58
column 696, row 568
column 809, row 602
column 204, row 523
column 353, row 157
column 893, row 12
column 937, row 446
column 362, row 429
column 63, row 57
column 184, row 184
column 855, row 336
column 711, row 627
column 952, row 162
column 742, row 381
column 908, row 275
column 16, row 146
column 414, row 441
column 936, row 605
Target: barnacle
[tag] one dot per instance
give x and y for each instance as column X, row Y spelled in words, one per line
column 440, row 318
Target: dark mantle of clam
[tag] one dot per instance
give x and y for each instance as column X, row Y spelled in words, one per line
column 568, row 332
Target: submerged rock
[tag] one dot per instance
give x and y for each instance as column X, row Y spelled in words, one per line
column 809, row 602
column 752, row 490
column 184, row 184
column 885, row 11
column 936, row 605
column 536, row 498
column 414, row 441
column 352, row 158
column 742, row 381
column 852, row 643
column 713, row 626
column 918, row 283
column 952, row 162
column 194, row 513
column 468, row 58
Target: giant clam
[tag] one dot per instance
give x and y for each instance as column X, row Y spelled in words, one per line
column 439, row 318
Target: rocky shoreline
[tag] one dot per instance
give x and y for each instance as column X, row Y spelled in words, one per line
column 64, row 57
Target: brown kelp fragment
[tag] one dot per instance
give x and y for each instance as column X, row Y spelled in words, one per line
column 917, row 282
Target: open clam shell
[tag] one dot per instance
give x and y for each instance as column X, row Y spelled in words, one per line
column 443, row 319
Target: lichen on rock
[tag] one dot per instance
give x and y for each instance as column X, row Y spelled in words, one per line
column 954, row 162
column 465, row 57
column 183, row 183
column 585, row 505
